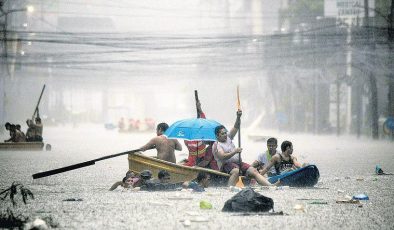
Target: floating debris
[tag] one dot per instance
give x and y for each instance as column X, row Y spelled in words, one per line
column 282, row 187
column 199, row 219
column 73, row 199
column 299, row 207
column 205, row 205
column 158, row 204
column 180, row 198
column 347, row 200
column 186, row 223
column 235, row 189
column 318, row 202
column 37, row 224
column 191, row 213
column 360, row 197
column 261, row 214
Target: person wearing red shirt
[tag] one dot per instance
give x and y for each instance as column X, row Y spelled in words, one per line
column 200, row 152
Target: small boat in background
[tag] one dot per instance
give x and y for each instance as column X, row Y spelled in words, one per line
column 22, row 146
column 179, row 173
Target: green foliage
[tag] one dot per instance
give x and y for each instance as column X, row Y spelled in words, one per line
column 7, row 217
column 12, row 191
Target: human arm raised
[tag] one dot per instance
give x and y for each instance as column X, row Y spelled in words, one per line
column 237, row 124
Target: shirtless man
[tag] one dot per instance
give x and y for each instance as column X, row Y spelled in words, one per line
column 283, row 162
column 165, row 147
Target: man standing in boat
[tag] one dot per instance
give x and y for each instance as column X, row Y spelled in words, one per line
column 165, row 147
column 283, row 162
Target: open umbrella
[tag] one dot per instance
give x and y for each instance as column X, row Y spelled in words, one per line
column 193, row 129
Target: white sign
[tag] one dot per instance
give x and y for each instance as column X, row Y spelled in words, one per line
column 348, row 8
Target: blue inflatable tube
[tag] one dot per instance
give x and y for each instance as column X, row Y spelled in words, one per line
column 306, row 176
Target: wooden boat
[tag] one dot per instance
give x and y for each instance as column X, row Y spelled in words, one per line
column 179, row 173
column 22, row 146
column 306, row 176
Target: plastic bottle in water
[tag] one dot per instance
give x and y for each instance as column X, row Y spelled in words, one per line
column 360, row 197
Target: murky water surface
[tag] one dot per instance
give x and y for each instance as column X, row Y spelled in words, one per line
column 346, row 167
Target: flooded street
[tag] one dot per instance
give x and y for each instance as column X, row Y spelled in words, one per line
column 317, row 73
column 346, row 168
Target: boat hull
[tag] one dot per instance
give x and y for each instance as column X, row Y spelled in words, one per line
column 306, row 176
column 28, row 146
column 179, row 173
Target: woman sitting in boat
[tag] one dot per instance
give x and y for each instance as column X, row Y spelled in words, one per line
column 283, row 162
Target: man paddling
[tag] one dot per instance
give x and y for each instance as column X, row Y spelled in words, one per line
column 227, row 155
column 165, row 147
column 34, row 130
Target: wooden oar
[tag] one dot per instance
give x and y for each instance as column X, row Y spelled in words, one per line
column 80, row 165
column 196, row 97
column 239, row 184
column 198, row 116
column 38, row 103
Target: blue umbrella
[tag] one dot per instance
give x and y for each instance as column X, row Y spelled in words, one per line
column 193, row 129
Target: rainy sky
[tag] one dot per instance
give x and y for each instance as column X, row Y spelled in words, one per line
column 104, row 60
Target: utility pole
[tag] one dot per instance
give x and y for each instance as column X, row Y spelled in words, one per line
column 348, row 75
column 3, row 67
column 338, row 106
column 390, row 106
column 391, row 76
column 372, row 79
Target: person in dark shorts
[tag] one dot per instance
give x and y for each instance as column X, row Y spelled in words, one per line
column 227, row 155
